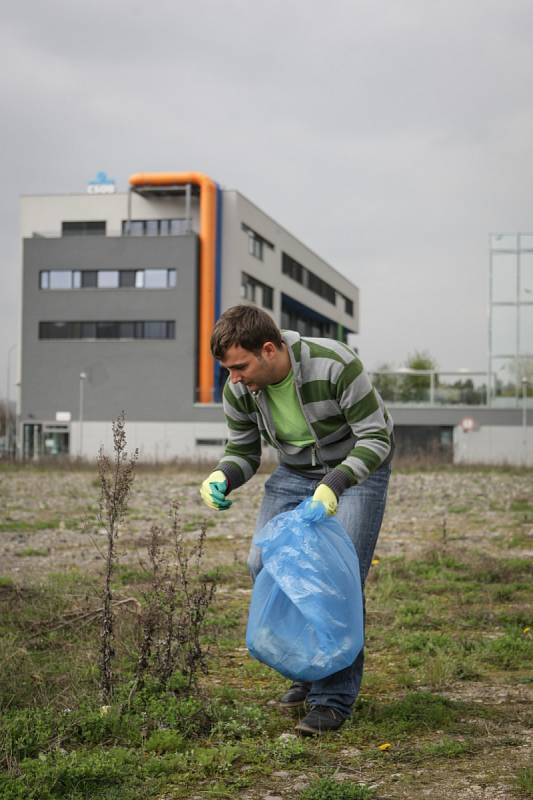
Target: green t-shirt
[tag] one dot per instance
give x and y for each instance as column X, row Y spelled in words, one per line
column 289, row 421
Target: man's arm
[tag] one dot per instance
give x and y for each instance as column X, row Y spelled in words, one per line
column 242, row 454
column 367, row 417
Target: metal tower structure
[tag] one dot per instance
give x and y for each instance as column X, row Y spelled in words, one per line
column 511, row 288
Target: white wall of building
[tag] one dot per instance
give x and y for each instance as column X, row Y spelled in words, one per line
column 157, row 441
column 43, row 214
column 494, row 444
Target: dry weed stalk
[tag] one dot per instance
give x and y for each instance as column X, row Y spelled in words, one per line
column 116, row 479
column 152, row 605
column 197, row 592
column 175, row 609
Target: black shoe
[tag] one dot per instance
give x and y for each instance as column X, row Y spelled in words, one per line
column 320, row 720
column 295, row 695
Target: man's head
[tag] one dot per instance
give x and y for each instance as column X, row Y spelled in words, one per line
column 248, row 343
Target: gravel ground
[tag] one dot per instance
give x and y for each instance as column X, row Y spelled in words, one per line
column 49, row 519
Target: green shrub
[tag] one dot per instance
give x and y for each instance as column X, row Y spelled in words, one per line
column 524, row 781
column 32, row 732
column 415, row 711
column 510, row 651
column 24, row 734
column 447, row 748
column 330, row 789
column 236, row 721
column 83, row 775
column 165, row 741
column 427, row 642
column 190, row 716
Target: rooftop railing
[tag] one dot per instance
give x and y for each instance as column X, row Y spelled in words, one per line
column 433, row 388
column 425, row 387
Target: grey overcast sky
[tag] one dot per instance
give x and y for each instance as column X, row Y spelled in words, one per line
column 391, row 137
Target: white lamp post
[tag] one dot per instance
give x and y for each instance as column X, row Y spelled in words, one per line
column 83, row 378
column 524, row 420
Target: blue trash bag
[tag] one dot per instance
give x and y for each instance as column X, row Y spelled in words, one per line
column 306, row 613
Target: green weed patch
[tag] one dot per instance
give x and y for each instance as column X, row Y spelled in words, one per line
column 330, row 789
column 22, row 525
column 524, row 781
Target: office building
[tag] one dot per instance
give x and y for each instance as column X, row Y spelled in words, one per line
column 120, row 294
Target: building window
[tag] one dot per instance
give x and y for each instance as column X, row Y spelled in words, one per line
column 155, row 227
column 297, row 272
column 89, row 279
column 255, row 246
column 107, row 330
column 60, row 279
column 83, row 228
column 103, row 329
column 292, row 268
column 134, row 228
column 256, row 242
column 127, row 278
column 298, row 317
column 108, row 279
column 155, row 279
column 268, row 297
column 256, row 291
column 320, row 287
column 348, row 306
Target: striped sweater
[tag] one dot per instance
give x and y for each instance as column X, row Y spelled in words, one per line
column 347, row 419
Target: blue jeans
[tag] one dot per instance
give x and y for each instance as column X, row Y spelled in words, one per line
column 360, row 512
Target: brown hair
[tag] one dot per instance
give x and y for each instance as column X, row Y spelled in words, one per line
column 244, row 326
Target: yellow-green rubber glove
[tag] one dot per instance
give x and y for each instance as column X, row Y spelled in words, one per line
column 213, row 491
column 323, row 494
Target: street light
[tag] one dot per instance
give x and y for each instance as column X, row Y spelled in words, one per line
column 524, row 419
column 83, row 378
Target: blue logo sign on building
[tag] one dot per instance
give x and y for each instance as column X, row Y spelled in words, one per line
column 101, row 184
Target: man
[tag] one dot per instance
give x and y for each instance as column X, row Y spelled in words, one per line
column 311, row 400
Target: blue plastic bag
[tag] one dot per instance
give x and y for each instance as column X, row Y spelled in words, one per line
column 306, row 613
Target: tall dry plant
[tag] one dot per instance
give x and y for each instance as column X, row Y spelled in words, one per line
column 175, row 608
column 116, row 479
column 197, row 591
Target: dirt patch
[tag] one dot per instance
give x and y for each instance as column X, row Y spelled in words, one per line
column 49, row 519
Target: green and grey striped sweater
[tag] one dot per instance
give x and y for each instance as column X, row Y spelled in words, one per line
column 345, row 414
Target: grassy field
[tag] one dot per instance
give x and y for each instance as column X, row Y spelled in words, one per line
column 445, row 707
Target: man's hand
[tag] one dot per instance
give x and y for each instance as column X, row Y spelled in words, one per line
column 323, row 494
column 213, row 491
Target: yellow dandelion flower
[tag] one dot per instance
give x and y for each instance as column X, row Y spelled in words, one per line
column 527, row 630
column 375, row 561
column 384, row 746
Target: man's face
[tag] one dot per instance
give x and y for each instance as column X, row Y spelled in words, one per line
column 254, row 370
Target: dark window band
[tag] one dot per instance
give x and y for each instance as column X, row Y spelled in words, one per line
column 102, row 329
column 293, row 269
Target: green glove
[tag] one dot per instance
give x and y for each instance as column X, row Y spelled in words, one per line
column 323, row 494
column 213, row 491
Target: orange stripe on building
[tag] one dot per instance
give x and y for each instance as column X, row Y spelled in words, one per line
column 207, row 236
